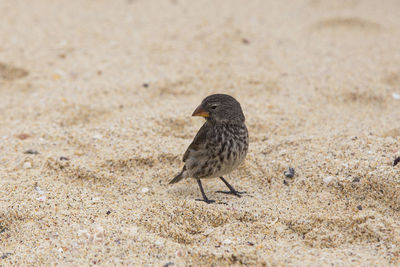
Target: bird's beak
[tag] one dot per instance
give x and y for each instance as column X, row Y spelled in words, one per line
column 200, row 111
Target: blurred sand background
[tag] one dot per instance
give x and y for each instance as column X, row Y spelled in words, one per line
column 103, row 92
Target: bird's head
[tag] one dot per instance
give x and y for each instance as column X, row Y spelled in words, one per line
column 220, row 108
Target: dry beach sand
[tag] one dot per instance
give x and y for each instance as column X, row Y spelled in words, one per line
column 103, row 92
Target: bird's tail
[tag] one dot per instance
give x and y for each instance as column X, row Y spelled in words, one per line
column 178, row 177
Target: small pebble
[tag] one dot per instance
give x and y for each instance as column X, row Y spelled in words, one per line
column 82, row 233
column 396, row 96
column 39, row 190
column 23, row 136
column 245, row 41
column 27, row 165
column 42, row 198
column 396, row 161
column 145, row 85
column 79, row 153
column 98, row 233
column 5, row 255
column 96, row 200
column 64, row 158
column 31, row 151
column 356, row 180
column 289, row 173
column 159, row 242
column 97, row 136
column 227, row 242
column 108, row 212
column 178, row 253
column 145, row 190
column 328, row 179
column 359, row 207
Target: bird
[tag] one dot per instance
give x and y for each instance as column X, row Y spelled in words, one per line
column 219, row 146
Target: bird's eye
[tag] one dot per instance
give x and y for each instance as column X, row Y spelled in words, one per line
column 213, row 106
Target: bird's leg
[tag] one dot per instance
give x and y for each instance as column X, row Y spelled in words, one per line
column 205, row 199
column 232, row 190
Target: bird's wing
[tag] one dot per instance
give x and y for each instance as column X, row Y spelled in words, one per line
column 198, row 141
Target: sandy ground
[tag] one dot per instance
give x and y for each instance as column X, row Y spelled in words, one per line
column 103, row 92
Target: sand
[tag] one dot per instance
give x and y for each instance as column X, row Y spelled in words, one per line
column 95, row 105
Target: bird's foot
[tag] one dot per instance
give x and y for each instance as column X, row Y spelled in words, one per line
column 236, row 193
column 208, row 201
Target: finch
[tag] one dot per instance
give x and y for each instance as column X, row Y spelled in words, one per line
column 219, row 146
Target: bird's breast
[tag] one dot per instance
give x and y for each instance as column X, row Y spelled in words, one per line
column 224, row 150
column 231, row 148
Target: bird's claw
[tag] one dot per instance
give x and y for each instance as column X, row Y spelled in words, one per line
column 236, row 193
column 208, row 201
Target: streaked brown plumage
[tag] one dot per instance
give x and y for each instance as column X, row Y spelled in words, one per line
column 219, row 146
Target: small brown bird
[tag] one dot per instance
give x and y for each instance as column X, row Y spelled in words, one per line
column 219, row 146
